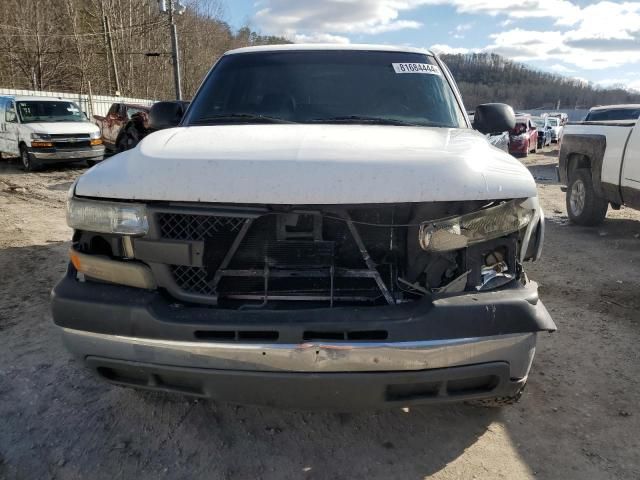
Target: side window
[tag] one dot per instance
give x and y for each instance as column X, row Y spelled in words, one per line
column 10, row 113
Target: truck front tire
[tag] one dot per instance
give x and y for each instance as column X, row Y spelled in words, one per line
column 584, row 207
column 28, row 163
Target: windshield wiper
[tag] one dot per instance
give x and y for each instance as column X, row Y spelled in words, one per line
column 232, row 117
column 364, row 119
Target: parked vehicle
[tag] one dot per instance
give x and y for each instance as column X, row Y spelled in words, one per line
column 142, row 125
column 323, row 228
column 600, row 165
column 523, row 138
column 45, row 130
column 562, row 117
column 544, row 130
column 613, row 113
column 119, row 115
column 556, row 129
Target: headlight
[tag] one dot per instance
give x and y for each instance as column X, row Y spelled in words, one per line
column 94, row 135
column 459, row 232
column 107, row 217
column 41, row 136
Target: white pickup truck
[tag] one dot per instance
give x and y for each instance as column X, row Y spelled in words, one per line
column 600, row 163
column 322, row 229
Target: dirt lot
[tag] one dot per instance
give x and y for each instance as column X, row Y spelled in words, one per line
column 579, row 418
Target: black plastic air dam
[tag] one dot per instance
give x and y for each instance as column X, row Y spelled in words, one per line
column 126, row 311
column 332, row 391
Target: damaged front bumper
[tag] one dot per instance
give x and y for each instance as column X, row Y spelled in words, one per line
column 458, row 347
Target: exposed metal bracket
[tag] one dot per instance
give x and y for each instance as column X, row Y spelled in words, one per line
column 232, row 251
column 371, row 266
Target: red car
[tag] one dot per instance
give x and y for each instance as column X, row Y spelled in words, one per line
column 523, row 138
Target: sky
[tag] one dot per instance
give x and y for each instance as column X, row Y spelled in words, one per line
column 595, row 41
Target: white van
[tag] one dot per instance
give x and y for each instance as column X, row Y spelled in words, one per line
column 43, row 130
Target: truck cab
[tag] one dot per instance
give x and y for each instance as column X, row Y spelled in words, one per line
column 45, row 130
column 323, row 228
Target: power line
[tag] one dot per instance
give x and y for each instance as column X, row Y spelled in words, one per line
column 29, row 32
column 74, row 51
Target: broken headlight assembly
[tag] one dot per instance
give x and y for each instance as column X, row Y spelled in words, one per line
column 107, row 217
column 496, row 240
column 490, row 223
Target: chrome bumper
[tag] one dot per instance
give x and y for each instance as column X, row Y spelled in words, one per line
column 88, row 154
column 515, row 349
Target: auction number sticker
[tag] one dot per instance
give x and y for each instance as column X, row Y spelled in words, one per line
column 424, row 68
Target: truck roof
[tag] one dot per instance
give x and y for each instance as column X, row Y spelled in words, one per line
column 328, row 46
column 606, row 107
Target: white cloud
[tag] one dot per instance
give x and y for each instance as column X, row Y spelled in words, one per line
column 602, row 35
column 448, row 50
column 558, row 68
column 620, row 82
column 316, row 38
column 458, row 32
column 563, row 10
column 313, row 18
column 343, row 17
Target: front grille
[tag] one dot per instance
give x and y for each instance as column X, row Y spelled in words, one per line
column 179, row 226
column 192, row 279
column 322, row 255
column 70, row 141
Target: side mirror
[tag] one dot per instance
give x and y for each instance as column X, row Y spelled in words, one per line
column 494, row 117
column 10, row 117
column 166, row 114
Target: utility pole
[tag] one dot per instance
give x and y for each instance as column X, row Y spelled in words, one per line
column 175, row 54
column 113, row 57
column 173, row 7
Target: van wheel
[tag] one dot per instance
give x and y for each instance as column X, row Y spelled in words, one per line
column 583, row 205
column 28, row 164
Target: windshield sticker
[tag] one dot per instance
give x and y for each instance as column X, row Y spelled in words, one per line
column 424, row 68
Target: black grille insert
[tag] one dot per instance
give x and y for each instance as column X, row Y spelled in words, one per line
column 179, row 226
column 192, row 279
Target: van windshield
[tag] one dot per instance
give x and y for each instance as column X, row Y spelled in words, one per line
column 48, row 111
column 324, row 86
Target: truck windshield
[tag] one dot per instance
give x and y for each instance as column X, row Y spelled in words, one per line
column 47, row 111
column 325, row 86
column 611, row 114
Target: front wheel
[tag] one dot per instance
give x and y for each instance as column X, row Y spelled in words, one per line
column 28, row 164
column 583, row 205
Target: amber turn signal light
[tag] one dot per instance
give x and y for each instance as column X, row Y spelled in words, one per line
column 35, row 144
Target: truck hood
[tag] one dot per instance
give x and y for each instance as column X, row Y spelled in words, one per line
column 310, row 164
column 62, row 127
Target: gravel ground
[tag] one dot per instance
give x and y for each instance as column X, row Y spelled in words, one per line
column 579, row 418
